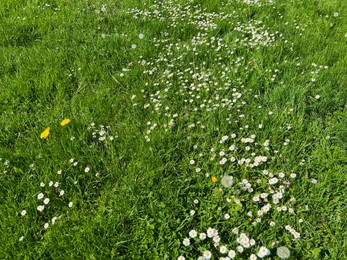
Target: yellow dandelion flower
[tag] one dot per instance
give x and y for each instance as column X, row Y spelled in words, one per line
column 214, row 179
column 45, row 133
column 65, row 122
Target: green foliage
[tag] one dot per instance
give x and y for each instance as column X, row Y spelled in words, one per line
column 146, row 96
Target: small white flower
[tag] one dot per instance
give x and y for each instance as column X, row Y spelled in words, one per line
column 317, row 96
column 50, row 184
column 292, row 175
column 253, row 257
column 42, row 184
column 207, row 255
column 56, row 184
column 263, row 251
column 223, row 249
column 46, row 201
column 223, row 161
column 59, row 172
column 273, row 181
column 181, row 258
column 192, row 162
column 61, row 193
column 202, row 236
column 196, row 201
column 232, row 254
column 193, row 233
column 24, row 212
column 133, row 46
column 21, row 238
column 54, row 219
column 227, row 216
column 40, row 208
column 40, row 196
column 46, row 225
column 281, row 174
column 141, row 36
column 336, row 14
column 192, row 212
column 186, row 242
column 87, row 169
column 216, row 239
column 239, row 249
column 70, row 204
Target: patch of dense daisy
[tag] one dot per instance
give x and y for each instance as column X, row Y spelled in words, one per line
column 257, row 3
column 184, row 82
column 248, row 194
column 101, row 133
column 178, row 13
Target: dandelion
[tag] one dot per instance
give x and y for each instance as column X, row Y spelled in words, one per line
column 65, row 122
column 40, row 208
column 207, row 255
column 186, row 242
column 24, row 212
column 214, row 179
column 45, row 133
column 283, row 252
column 227, row 181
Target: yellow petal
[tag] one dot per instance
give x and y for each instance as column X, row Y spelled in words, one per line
column 65, row 122
column 45, row 133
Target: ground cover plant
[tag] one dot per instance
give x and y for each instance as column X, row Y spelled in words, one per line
column 173, row 129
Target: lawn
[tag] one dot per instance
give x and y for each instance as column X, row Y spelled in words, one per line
column 173, row 129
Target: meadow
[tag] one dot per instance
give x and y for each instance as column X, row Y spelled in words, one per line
column 173, row 129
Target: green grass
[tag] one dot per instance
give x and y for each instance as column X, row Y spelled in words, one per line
column 70, row 59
